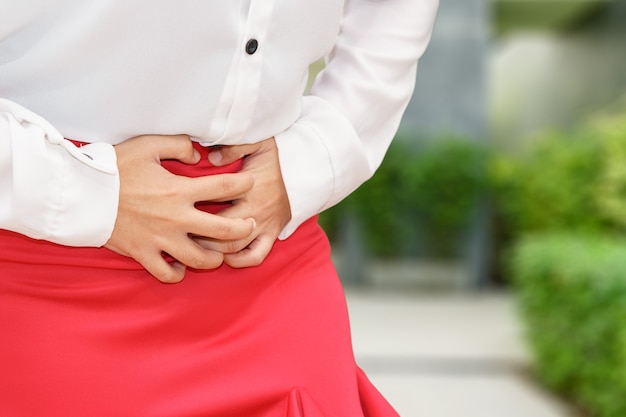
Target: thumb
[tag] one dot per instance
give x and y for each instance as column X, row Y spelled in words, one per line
column 225, row 155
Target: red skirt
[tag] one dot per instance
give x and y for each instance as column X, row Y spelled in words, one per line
column 87, row 332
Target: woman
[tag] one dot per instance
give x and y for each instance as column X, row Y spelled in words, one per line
column 171, row 139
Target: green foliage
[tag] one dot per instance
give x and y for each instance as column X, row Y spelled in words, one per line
column 610, row 194
column 419, row 193
column 546, row 15
column 573, row 181
column 572, row 287
column 447, row 177
column 423, row 197
column 551, row 186
column 572, row 293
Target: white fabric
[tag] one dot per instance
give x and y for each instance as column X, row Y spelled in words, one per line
column 105, row 71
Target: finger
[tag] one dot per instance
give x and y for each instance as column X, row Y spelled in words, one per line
column 230, row 245
column 212, row 226
column 178, row 147
column 161, row 269
column 224, row 246
column 227, row 154
column 194, row 256
column 221, row 187
column 253, row 255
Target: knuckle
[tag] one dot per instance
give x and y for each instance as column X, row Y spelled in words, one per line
column 195, row 260
column 186, row 145
column 229, row 184
column 205, row 260
column 223, row 230
column 215, row 260
column 255, row 258
column 168, row 276
column 173, row 188
column 234, row 261
column 234, row 246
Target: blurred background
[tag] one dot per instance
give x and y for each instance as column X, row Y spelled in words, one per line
column 485, row 262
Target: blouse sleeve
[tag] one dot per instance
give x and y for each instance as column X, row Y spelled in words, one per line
column 355, row 105
column 51, row 189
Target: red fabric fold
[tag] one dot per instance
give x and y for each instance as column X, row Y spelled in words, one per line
column 372, row 401
column 87, row 332
column 302, row 405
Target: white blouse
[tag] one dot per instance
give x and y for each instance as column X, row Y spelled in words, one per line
column 221, row 71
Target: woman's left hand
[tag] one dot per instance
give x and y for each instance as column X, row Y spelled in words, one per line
column 266, row 202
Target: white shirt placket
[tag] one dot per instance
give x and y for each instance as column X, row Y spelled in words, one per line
column 241, row 90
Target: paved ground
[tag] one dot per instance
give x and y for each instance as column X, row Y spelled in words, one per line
column 447, row 355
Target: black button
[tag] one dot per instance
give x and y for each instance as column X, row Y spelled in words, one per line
column 252, row 46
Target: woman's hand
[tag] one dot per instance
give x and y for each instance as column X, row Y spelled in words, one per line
column 156, row 211
column 266, row 202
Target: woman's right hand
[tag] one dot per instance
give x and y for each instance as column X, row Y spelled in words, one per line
column 156, row 210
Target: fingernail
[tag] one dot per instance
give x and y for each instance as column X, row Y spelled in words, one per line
column 196, row 155
column 215, row 157
column 253, row 223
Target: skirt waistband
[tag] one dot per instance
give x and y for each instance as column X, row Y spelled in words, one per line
column 15, row 247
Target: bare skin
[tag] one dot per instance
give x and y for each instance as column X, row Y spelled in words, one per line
column 156, row 210
column 266, row 202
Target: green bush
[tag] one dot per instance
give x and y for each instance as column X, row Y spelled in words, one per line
column 572, row 293
column 551, row 185
column 562, row 204
column 446, row 179
column 610, row 195
column 565, row 181
column 420, row 200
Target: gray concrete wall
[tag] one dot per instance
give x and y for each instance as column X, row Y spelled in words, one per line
column 450, row 95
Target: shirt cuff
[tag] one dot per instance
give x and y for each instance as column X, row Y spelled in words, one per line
column 321, row 160
column 51, row 189
column 89, row 199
